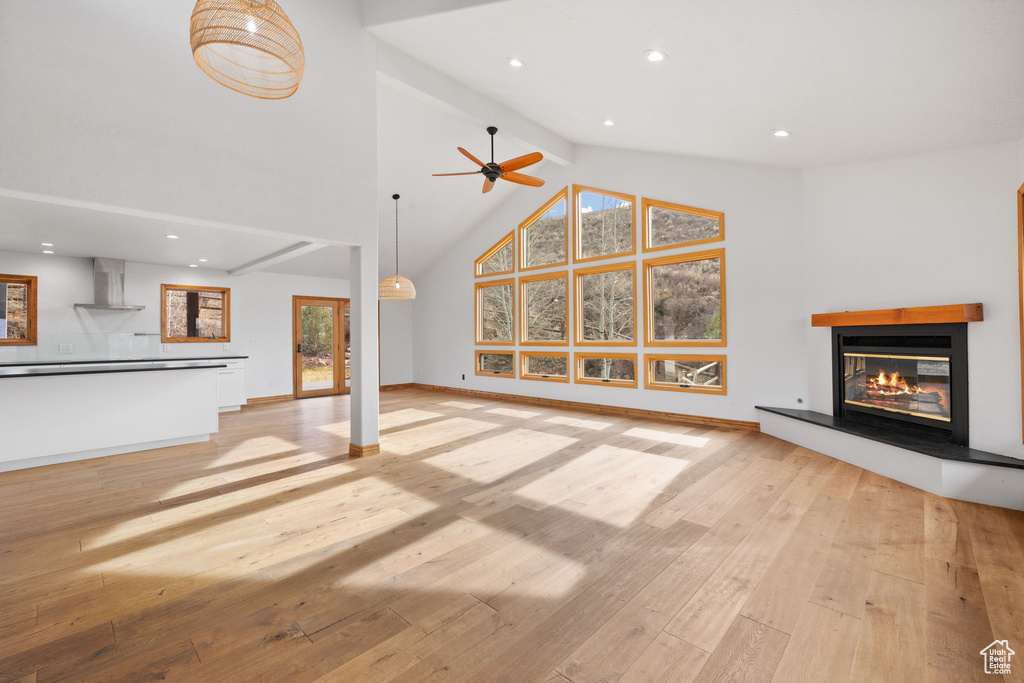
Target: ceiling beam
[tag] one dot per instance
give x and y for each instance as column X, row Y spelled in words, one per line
column 286, row 254
column 401, row 72
column 375, row 12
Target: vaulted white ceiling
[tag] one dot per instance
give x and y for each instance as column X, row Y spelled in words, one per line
column 853, row 81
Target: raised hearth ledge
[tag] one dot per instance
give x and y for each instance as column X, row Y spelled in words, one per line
column 939, row 468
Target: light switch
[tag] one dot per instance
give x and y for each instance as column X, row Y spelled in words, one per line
column 67, row 348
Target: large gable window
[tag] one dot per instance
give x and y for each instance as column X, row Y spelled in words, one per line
column 543, row 237
column 604, row 224
column 684, row 299
column 18, row 310
column 606, row 305
column 195, row 314
column 495, row 312
column 499, row 259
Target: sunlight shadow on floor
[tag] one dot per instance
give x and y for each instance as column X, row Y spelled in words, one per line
column 667, row 437
column 435, row 434
column 509, row 412
column 400, row 418
column 461, row 404
column 578, row 422
column 491, row 459
column 257, row 447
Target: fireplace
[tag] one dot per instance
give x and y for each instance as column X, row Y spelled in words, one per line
column 910, row 378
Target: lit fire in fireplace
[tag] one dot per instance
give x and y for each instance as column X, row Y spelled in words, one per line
column 893, row 384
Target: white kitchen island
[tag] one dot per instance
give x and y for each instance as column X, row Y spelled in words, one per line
column 52, row 414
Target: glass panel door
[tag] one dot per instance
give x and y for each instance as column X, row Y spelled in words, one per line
column 348, row 346
column 321, row 335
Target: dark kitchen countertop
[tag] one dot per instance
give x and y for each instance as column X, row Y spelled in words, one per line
column 118, row 360
column 57, row 371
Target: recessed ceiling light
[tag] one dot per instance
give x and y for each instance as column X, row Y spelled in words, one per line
column 171, row 237
column 512, row 61
column 609, row 122
column 46, row 244
column 779, row 133
column 192, row 265
column 202, row 260
column 47, row 251
column 655, row 55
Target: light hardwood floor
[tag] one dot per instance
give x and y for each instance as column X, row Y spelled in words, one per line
column 495, row 541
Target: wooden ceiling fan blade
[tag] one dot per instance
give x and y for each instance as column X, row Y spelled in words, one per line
column 521, row 162
column 488, row 185
column 523, row 179
column 467, row 173
column 472, row 158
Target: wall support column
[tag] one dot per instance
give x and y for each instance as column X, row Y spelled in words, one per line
column 365, row 405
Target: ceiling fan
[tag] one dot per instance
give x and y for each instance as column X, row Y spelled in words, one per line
column 506, row 170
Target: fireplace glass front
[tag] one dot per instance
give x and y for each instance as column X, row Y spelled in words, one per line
column 918, row 386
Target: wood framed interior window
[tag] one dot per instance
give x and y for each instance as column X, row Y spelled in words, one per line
column 544, row 309
column 668, row 226
column 495, row 312
column 18, row 310
column 499, row 259
column 496, row 363
column 605, row 298
column 604, row 226
column 545, row 366
column 684, row 299
column 606, row 369
column 544, row 236
column 690, row 374
column 195, row 314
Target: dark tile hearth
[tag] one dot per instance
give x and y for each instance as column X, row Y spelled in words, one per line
column 918, row 443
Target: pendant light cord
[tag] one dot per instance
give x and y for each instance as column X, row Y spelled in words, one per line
column 395, row 197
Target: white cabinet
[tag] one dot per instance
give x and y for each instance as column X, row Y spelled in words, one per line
column 231, row 385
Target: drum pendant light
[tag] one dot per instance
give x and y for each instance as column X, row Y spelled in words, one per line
column 396, row 286
column 249, row 46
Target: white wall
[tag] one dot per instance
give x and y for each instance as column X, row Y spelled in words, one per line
column 103, row 103
column 766, row 320
column 396, row 342
column 922, row 231
column 261, row 312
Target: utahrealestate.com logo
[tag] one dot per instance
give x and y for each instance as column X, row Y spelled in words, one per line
column 997, row 657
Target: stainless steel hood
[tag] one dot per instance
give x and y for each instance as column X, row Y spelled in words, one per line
column 108, row 284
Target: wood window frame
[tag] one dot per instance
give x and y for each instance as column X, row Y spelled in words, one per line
column 31, row 308
column 577, row 321
column 581, row 356
column 494, row 373
column 647, row 204
column 523, row 374
column 562, row 194
column 577, row 256
column 523, row 302
column 225, row 317
column 478, row 311
column 478, row 264
column 688, row 257
column 649, row 383
column 1020, row 275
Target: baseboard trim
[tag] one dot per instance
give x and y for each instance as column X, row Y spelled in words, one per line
column 601, row 409
column 357, row 451
column 268, row 399
column 395, row 387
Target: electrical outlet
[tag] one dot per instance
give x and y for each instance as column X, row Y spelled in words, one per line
column 165, row 348
column 734, row 402
column 67, row 348
column 270, row 384
column 463, row 377
column 254, row 342
column 227, row 346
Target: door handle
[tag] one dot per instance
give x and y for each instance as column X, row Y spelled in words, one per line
column 298, row 348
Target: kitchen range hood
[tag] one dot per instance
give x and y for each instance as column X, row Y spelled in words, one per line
column 108, row 284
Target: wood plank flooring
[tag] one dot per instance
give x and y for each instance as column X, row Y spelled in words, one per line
column 492, row 541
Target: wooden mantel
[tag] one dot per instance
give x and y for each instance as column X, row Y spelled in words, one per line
column 958, row 313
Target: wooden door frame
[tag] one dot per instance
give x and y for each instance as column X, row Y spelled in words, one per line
column 1020, row 292
column 339, row 344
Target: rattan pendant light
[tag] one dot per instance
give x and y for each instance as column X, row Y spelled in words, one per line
column 249, row 46
column 396, row 286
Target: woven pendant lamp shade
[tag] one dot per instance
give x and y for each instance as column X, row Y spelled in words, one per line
column 249, row 46
column 396, row 287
